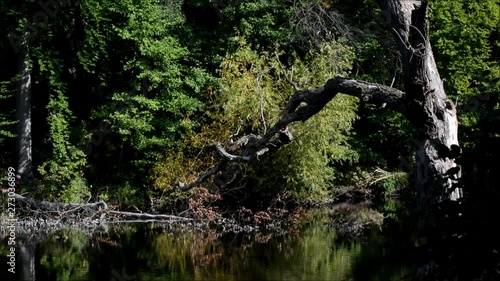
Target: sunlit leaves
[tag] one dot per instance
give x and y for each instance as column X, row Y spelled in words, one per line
column 254, row 92
column 465, row 37
column 159, row 110
column 7, row 120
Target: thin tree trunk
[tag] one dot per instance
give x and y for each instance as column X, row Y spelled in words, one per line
column 23, row 107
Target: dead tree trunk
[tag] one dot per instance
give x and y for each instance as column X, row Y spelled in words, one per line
column 423, row 102
column 428, row 108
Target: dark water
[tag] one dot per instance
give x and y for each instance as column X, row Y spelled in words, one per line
column 314, row 251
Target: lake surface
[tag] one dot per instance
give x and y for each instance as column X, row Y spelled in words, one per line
column 313, row 251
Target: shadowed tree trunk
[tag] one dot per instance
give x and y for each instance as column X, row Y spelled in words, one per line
column 423, row 102
column 428, row 108
column 23, row 108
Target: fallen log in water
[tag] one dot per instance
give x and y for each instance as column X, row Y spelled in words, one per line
column 40, row 206
column 146, row 216
column 99, row 213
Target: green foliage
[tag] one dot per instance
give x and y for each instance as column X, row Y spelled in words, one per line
column 147, row 68
column 158, row 110
column 7, row 119
column 56, row 157
column 123, row 194
column 376, row 60
column 62, row 169
column 122, row 64
column 465, row 36
column 261, row 22
column 210, row 27
column 77, row 191
column 178, row 166
column 382, row 137
column 254, row 91
column 394, row 183
column 466, row 39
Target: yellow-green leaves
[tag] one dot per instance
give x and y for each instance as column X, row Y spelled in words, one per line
column 255, row 90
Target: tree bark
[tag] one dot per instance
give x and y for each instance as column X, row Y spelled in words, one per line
column 428, row 108
column 23, row 108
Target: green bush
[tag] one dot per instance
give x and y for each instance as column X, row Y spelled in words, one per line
column 392, row 183
column 77, row 191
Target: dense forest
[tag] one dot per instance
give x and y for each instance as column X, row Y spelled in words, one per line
column 121, row 100
column 143, row 104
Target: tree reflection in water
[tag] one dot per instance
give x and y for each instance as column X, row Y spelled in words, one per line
column 312, row 251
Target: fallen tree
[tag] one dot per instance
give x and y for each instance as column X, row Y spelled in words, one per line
column 30, row 204
column 423, row 102
column 96, row 211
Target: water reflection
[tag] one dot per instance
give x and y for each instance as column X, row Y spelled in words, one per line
column 147, row 252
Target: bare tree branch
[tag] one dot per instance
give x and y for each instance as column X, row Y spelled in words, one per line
column 261, row 102
column 289, row 79
column 201, row 179
column 313, row 22
column 228, row 156
column 144, row 216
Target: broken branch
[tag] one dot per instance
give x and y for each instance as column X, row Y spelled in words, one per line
column 302, row 105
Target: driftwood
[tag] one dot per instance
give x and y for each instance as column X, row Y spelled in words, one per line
column 28, row 207
column 56, row 207
column 146, row 216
